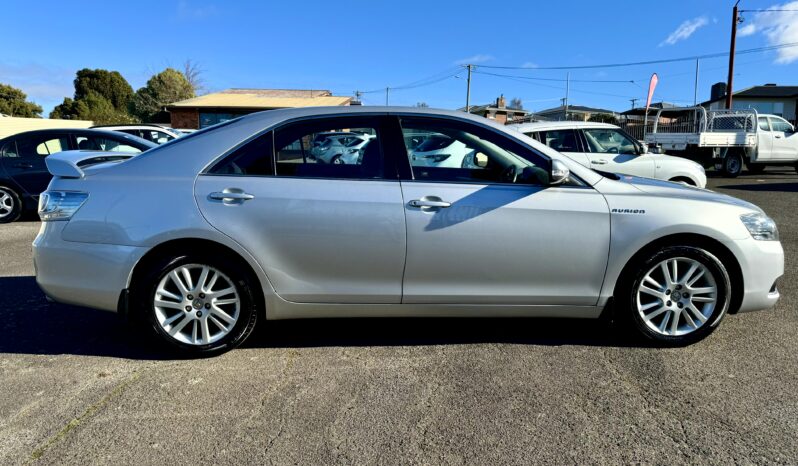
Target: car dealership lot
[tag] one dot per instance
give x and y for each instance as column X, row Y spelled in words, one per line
column 76, row 386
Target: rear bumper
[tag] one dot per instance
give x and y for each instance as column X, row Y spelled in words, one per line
column 762, row 264
column 83, row 274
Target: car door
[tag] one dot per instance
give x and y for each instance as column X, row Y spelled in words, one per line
column 494, row 231
column 324, row 233
column 612, row 150
column 764, row 145
column 785, row 144
column 28, row 168
column 564, row 141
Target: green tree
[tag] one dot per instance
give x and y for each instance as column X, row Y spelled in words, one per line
column 101, row 96
column 603, row 118
column 14, row 102
column 93, row 107
column 109, row 84
column 164, row 88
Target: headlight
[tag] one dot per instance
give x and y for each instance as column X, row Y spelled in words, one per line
column 760, row 226
column 60, row 205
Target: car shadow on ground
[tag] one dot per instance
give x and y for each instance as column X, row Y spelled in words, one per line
column 765, row 187
column 31, row 325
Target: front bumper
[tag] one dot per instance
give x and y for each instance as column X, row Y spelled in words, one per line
column 83, row 274
column 762, row 264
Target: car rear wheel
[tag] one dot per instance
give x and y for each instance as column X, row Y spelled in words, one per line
column 200, row 306
column 10, row 205
column 732, row 165
column 677, row 296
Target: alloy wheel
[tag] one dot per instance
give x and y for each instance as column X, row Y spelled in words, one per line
column 677, row 296
column 6, row 203
column 196, row 304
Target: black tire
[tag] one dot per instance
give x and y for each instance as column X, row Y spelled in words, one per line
column 12, row 205
column 245, row 286
column 732, row 165
column 627, row 296
column 337, row 160
column 755, row 168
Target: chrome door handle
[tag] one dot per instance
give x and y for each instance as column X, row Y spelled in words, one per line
column 599, row 162
column 230, row 196
column 425, row 203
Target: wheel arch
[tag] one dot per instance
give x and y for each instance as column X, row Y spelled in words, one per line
column 712, row 245
column 684, row 178
column 193, row 246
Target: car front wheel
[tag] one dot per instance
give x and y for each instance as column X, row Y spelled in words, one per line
column 678, row 295
column 200, row 306
column 10, row 205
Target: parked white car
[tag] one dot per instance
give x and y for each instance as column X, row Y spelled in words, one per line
column 608, row 148
column 153, row 133
column 439, row 150
column 340, row 148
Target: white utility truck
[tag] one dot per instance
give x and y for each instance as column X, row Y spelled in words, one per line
column 730, row 137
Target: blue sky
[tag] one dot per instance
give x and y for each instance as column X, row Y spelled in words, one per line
column 368, row 45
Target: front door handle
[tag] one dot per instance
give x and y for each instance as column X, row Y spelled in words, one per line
column 23, row 165
column 599, row 162
column 429, row 203
column 231, row 196
column 778, row 136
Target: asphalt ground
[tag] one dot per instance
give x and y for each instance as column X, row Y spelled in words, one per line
column 77, row 386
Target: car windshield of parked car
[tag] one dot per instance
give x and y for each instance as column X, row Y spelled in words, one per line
column 104, row 144
column 609, row 141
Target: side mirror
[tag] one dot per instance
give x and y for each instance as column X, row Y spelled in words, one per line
column 643, row 149
column 559, row 172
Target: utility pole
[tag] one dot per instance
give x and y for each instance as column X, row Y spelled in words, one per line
column 735, row 20
column 468, row 89
column 633, row 102
column 695, row 89
column 386, row 95
column 567, row 89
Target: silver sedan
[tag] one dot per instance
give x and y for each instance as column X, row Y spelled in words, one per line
column 209, row 233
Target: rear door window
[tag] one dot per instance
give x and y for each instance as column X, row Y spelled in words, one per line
column 561, row 140
column 42, row 146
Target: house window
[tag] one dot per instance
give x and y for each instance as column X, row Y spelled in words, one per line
column 213, row 118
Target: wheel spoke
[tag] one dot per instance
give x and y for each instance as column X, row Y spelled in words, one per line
column 666, row 273
column 179, row 282
column 696, row 313
column 675, row 267
column 223, row 292
column 703, row 299
column 168, row 294
column 211, row 282
column 177, row 328
column 225, row 301
column 217, row 323
column 169, row 304
column 655, row 313
column 705, row 290
column 187, row 276
column 648, row 306
column 653, row 282
column 169, row 321
column 695, row 279
column 690, row 272
column 675, row 322
column 194, row 332
column 689, row 319
column 206, row 335
column 222, row 314
column 649, row 291
column 664, row 324
column 202, row 279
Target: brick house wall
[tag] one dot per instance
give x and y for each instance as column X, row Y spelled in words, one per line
column 185, row 118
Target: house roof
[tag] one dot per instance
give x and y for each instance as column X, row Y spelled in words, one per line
column 576, row 108
column 642, row 110
column 767, row 91
column 263, row 99
column 493, row 108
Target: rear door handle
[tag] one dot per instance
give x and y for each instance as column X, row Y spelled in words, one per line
column 426, row 203
column 231, row 196
column 599, row 162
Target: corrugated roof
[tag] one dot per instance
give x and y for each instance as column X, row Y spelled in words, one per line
column 263, row 99
column 768, row 91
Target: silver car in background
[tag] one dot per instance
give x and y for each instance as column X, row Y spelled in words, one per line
column 207, row 234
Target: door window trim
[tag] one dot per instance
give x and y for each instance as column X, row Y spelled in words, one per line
column 383, row 126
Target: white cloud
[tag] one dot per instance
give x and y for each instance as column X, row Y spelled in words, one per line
column 685, row 30
column 478, row 58
column 778, row 27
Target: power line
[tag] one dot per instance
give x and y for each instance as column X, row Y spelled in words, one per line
column 763, row 11
column 649, row 62
column 625, row 81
